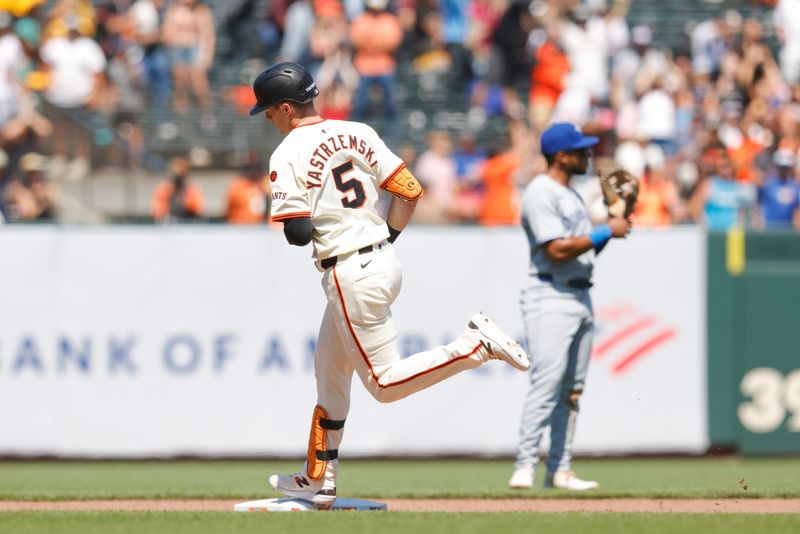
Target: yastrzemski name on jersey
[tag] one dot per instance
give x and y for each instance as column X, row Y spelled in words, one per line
column 331, row 171
column 332, row 145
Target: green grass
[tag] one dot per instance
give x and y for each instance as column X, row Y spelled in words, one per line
column 655, row 478
column 353, row 522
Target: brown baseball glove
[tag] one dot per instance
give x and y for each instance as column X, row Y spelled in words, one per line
column 620, row 190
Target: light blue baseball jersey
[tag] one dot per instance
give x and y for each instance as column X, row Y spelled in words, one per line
column 551, row 211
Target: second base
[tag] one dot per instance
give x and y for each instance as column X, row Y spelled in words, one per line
column 287, row 504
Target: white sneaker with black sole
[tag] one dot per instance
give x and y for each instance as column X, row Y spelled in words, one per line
column 499, row 345
column 321, row 492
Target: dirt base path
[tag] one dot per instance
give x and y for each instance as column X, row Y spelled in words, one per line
column 702, row 506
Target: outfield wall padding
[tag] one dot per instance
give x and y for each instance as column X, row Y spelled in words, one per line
column 754, row 355
column 165, row 340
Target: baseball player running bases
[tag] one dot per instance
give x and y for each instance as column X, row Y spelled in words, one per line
column 556, row 305
column 325, row 179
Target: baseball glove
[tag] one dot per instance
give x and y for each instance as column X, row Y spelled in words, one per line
column 620, row 190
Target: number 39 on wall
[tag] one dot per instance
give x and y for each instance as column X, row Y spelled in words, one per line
column 771, row 396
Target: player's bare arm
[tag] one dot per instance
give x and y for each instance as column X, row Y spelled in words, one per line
column 400, row 212
column 569, row 248
column 406, row 191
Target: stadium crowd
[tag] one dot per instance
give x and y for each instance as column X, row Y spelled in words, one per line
column 710, row 125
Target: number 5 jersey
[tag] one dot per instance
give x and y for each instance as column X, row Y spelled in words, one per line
column 331, row 171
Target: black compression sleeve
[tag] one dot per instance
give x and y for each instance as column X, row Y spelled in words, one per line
column 393, row 234
column 298, row 231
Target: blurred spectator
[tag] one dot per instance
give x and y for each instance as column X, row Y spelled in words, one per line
column 454, row 30
column 613, row 13
column 584, row 39
column 376, row 34
column 32, row 124
column 745, row 137
column 576, row 61
column 128, row 103
column 21, row 123
column 483, row 18
column 114, row 27
column 241, row 94
column 469, row 159
column 630, row 154
column 177, row 199
column 79, row 12
column 12, row 60
column 500, row 204
column 188, row 33
column 511, row 60
column 336, row 76
column 337, row 80
column 719, row 201
column 431, row 57
column 710, row 41
column 779, row 196
column 31, row 197
column 329, row 34
column 759, row 75
column 786, row 19
column 76, row 67
column 147, row 17
column 247, row 195
column 296, row 32
column 634, row 68
column 548, row 75
column 658, row 196
column 436, row 171
column 235, row 18
column 656, row 117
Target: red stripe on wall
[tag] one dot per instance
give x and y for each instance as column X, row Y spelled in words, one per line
column 609, row 342
column 644, row 348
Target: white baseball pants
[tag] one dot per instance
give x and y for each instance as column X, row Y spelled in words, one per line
column 358, row 334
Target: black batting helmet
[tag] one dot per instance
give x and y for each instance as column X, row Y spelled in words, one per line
column 283, row 81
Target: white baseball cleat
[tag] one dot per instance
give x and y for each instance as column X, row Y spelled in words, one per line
column 321, row 492
column 522, row 478
column 568, row 480
column 499, row 345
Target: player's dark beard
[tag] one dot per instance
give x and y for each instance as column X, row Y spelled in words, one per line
column 578, row 168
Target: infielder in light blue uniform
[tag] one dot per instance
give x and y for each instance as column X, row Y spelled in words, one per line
column 556, row 306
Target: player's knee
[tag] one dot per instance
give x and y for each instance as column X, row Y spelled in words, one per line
column 382, row 394
column 574, row 398
column 384, row 398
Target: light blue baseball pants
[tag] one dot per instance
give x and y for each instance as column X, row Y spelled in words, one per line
column 559, row 324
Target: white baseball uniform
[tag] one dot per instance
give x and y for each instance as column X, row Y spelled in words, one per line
column 331, row 171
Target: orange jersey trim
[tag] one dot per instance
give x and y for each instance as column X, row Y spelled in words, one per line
column 294, row 215
column 364, row 354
